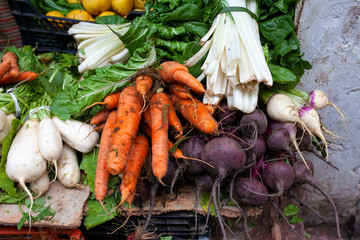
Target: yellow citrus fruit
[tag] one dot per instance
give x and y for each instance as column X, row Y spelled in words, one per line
column 139, row 4
column 122, row 7
column 55, row 14
column 73, row 1
column 95, row 7
column 106, row 13
column 80, row 14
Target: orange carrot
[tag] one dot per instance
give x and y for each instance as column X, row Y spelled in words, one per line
column 173, row 118
column 144, row 84
column 196, row 114
column 4, row 68
column 159, row 109
column 100, row 116
column 176, row 154
column 23, row 76
column 102, row 175
column 180, row 91
column 131, row 174
column 125, row 129
column 110, row 101
column 172, row 71
column 14, row 69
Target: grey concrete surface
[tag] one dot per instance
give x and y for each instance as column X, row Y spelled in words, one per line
column 329, row 33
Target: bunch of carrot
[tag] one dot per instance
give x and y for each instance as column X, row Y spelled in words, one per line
column 123, row 147
column 10, row 72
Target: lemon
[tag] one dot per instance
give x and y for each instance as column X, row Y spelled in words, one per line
column 73, row 1
column 107, row 13
column 80, row 14
column 95, row 7
column 122, row 7
column 55, row 14
column 139, row 4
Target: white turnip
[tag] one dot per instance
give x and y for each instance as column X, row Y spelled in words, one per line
column 318, row 100
column 50, row 142
column 41, row 185
column 78, row 135
column 25, row 163
column 281, row 108
column 312, row 121
column 68, row 168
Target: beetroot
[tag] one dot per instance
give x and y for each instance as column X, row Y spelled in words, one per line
column 254, row 148
column 278, row 176
column 225, row 115
column 250, row 198
column 226, row 157
column 303, row 175
column 192, row 148
column 254, row 123
column 279, row 141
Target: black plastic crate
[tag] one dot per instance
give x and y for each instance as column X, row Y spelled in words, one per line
column 179, row 225
column 47, row 34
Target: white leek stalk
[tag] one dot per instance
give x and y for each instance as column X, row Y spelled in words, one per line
column 235, row 63
column 98, row 45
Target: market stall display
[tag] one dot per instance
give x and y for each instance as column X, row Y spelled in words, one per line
column 248, row 137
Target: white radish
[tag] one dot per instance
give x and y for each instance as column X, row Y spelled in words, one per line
column 5, row 131
column 312, row 120
column 41, row 185
column 68, row 168
column 77, row 134
column 318, row 100
column 25, row 163
column 2, row 120
column 50, row 142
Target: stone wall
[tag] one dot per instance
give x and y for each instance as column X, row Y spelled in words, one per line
column 329, row 32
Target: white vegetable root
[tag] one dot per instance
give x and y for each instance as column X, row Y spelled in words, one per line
column 41, row 185
column 2, row 120
column 25, row 163
column 50, row 142
column 68, row 168
column 80, row 136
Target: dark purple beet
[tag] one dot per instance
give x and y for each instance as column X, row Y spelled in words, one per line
column 250, row 198
column 254, row 123
column 225, row 155
column 170, row 175
column 304, row 175
column 225, row 115
column 204, row 182
column 254, row 149
column 278, row 176
column 279, row 141
column 192, row 148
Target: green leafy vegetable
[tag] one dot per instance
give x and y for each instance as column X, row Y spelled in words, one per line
column 43, row 212
column 88, row 164
column 96, row 214
column 205, row 198
column 99, row 83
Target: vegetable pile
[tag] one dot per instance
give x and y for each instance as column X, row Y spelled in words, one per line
column 130, row 110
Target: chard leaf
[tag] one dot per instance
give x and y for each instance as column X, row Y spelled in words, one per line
column 96, row 214
column 282, row 75
column 88, row 164
column 99, row 83
column 276, row 30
